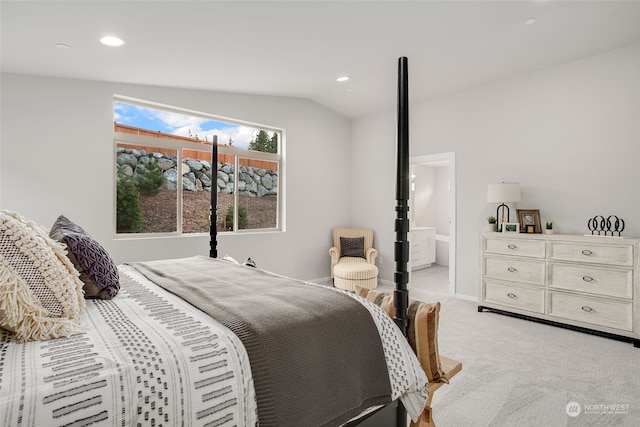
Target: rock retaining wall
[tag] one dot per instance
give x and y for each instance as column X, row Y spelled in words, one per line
column 197, row 174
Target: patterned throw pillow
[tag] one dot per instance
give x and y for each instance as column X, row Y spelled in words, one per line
column 40, row 293
column 352, row 246
column 422, row 333
column 422, row 330
column 97, row 270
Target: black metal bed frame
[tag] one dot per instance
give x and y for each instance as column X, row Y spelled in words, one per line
column 401, row 248
column 401, row 245
column 213, row 215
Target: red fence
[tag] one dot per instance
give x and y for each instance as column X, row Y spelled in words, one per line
column 204, row 154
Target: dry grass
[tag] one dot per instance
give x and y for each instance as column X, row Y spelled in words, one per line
column 159, row 211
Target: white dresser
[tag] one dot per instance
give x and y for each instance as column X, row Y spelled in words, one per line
column 423, row 247
column 585, row 281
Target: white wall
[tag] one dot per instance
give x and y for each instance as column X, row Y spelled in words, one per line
column 430, row 204
column 430, row 200
column 568, row 134
column 441, row 200
column 442, row 215
column 58, row 158
column 423, row 209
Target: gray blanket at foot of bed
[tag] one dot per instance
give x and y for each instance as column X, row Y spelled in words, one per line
column 316, row 356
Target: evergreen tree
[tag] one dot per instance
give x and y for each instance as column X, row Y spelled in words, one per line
column 242, row 217
column 149, row 177
column 129, row 215
column 263, row 143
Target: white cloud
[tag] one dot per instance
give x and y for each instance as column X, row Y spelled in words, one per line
column 186, row 125
column 178, row 121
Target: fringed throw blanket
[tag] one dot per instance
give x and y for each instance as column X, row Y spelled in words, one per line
column 304, row 342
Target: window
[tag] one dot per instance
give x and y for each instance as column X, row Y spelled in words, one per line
column 165, row 173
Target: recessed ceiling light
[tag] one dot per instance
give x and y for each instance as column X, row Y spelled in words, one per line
column 63, row 46
column 343, row 78
column 530, row 21
column 111, row 41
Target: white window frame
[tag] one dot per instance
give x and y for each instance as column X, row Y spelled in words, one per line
column 179, row 146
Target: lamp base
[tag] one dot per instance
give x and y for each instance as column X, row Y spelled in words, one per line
column 501, row 218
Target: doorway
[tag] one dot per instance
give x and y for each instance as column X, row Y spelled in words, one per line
column 433, row 207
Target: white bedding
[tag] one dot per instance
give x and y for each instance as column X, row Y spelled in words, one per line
column 149, row 358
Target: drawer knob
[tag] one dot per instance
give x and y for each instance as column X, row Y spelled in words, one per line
column 587, row 309
column 512, row 246
column 587, row 252
column 587, row 279
column 512, row 270
column 512, row 295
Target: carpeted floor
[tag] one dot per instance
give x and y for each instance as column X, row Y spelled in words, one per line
column 522, row 373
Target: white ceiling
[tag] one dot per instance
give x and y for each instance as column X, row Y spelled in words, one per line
column 298, row 48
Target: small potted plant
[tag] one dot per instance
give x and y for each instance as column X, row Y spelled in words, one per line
column 549, row 228
column 493, row 226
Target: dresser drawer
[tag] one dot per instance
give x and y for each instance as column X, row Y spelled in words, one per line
column 417, row 251
column 419, row 238
column 524, row 298
column 621, row 255
column 418, row 259
column 594, row 280
column 531, row 271
column 520, row 247
column 423, row 247
column 612, row 314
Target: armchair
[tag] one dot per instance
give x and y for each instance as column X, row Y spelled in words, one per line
column 353, row 259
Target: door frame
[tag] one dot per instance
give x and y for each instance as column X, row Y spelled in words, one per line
column 450, row 160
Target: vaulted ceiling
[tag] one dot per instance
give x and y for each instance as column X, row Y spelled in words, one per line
column 299, row 48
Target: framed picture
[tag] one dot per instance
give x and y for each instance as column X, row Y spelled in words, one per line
column 510, row 227
column 529, row 220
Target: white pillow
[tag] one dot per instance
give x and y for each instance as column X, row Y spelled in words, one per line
column 40, row 292
column 230, row 259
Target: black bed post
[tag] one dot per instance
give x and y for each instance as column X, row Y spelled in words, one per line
column 401, row 249
column 213, row 217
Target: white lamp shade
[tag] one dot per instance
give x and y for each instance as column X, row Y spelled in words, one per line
column 505, row 192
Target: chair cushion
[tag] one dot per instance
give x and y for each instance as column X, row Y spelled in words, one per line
column 422, row 331
column 352, row 247
column 355, row 270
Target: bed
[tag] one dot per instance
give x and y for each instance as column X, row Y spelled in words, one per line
column 170, row 342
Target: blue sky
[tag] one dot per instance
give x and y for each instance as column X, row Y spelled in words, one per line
column 182, row 124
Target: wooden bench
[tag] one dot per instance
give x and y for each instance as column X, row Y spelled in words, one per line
column 450, row 368
column 422, row 334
